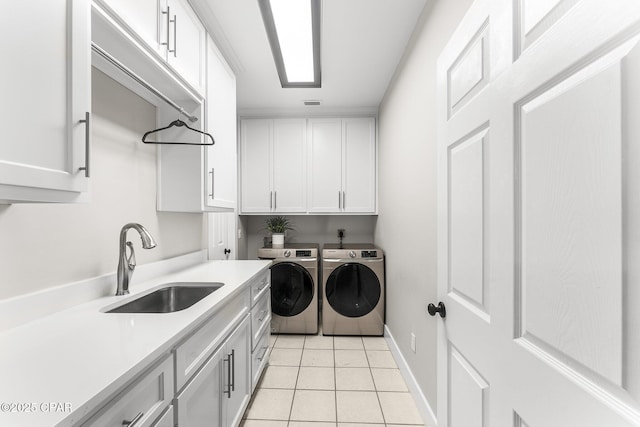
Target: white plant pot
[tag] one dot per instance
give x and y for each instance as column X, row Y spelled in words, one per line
column 277, row 240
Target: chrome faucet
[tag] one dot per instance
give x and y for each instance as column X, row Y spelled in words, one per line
column 127, row 265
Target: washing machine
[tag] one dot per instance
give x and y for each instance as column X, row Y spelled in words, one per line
column 353, row 290
column 294, row 288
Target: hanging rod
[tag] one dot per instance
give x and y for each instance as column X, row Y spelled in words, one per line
column 119, row 65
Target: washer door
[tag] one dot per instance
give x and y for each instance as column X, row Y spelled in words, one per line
column 353, row 290
column 292, row 289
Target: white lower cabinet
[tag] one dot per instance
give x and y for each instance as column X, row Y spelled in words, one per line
column 199, row 403
column 209, row 376
column 218, row 394
column 142, row 403
column 237, row 383
column 166, row 419
column 260, row 322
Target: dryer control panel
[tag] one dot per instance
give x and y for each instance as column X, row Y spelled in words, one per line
column 369, row 254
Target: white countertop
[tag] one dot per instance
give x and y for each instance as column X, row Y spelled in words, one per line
column 78, row 357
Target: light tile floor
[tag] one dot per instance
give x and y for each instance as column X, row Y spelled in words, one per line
column 322, row 381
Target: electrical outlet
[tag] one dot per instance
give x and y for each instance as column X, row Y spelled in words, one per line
column 340, row 232
column 413, row 342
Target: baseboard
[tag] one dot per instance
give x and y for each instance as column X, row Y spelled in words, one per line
column 424, row 408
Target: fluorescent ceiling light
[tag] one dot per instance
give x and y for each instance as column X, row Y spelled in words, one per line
column 293, row 28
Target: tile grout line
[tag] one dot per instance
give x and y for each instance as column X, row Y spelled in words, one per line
column 375, row 387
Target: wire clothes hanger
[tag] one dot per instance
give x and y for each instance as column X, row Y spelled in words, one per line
column 177, row 123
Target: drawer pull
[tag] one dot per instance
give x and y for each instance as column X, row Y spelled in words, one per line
column 262, row 315
column 134, row 421
column 263, row 285
column 264, row 352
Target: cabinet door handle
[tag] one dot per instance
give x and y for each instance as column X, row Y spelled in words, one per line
column 87, row 143
column 134, row 421
column 212, row 172
column 344, row 202
column 262, row 315
column 275, row 200
column 168, row 26
column 263, row 285
column 264, row 352
column 233, row 371
column 175, row 36
column 339, row 201
column 270, row 200
column 228, row 390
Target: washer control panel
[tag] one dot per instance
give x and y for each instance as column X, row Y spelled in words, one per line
column 304, row 253
column 368, row 254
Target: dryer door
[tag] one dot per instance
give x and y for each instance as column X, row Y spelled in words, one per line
column 292, row 289
column 353, row 290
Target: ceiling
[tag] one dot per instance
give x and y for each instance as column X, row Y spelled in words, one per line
column 362, row 43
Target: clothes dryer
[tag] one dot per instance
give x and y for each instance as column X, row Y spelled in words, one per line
column 294, row 288
column 353, row 290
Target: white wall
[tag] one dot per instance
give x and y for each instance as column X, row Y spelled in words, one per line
column 406, row 226
column 318, row 229
column 44, row 245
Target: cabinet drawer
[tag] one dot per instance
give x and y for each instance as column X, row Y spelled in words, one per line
column 149, row 396
column 260, row 286
column 260, row 318
column 195, row 350
column 259, row 358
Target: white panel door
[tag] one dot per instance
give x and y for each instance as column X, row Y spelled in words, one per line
column 222, row 235
column 289, row 165
column 325, row 165
column 256, row 137
column 538, row 222
column 359, row 165
column 45, row 82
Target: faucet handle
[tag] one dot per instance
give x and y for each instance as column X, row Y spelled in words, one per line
column 131, row 260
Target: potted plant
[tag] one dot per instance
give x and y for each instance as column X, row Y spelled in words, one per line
column 278, row 225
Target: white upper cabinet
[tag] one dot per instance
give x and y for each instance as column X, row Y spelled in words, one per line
column 359, row 165
column 273, row 165
column 222, row 124
column 46, row 102
column 143, row 17
column 202, row 178
column 172, row 30
column 186, row 51
column 342, row 165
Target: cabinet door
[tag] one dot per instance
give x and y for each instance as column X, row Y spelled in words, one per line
column 289, row 165
column 199, row 403
column 46, row 91
column 144, row 18
column 237, row 374
column 187, row 43
column 166, row 420
column 255, row 154
column 222, row 124
column 359, row 163
column 325, row 165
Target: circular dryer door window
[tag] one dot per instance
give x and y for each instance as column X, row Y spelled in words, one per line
column 291, row 289
column 353, row 290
